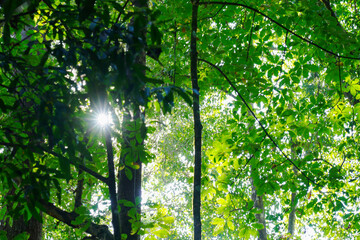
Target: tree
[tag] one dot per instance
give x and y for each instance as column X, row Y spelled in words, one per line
column 276, row 83
column 73, row 67
column 283, row 59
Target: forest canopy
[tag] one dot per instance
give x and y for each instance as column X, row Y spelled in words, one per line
column 172, row 119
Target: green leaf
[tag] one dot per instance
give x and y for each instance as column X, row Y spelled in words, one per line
column 218, row 221
column 3, row 235
column 22, row 236
column 139, row 138
column 184, row 95
column 82, row 210
column 221, row 201
column 258, row 225
column 65, row 167
column 161, row 233
column 128, row 173
column 168, row 220
column 6, row 34
column 79, row 220
column 155, row 35
column 127, row 203
column 230, row 225
column 2, row 212
column 218, row 229
column 3, row 107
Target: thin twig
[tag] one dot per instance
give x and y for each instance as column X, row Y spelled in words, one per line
column 342, row 163
column 80, row 166
column 118, row 18
column 214, row 15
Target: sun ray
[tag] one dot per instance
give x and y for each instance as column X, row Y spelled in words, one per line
column 103, row 119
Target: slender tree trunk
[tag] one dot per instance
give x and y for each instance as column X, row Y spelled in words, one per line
column 197, row 125
column 259, row 204
column 292, row 215
column 112, row 185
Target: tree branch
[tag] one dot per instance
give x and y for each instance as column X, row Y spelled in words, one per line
column 80, row 166
column 99, row 231
column 282, row 26
column 19, row 15
column 214, row 15
column 79, row 190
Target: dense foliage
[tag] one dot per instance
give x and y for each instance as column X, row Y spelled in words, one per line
column 277, row 83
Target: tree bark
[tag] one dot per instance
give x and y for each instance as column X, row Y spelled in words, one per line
column 197, row 124
column 19, row 225
column 129, row 188
column 112, row 185
column 292, row 215
column 259, row 204
column 33, row 227
column 130, row 177
column 100, row 232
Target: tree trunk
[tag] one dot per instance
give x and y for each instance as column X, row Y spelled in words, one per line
column 129, row 187
column 197, row 125
column 112, row 185
column 259, row 204
column 292, row 215
column 33, row 226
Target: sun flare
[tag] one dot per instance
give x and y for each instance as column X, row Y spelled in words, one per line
column 103, row 119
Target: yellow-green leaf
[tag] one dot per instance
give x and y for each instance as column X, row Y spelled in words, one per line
column 168, row 220
column 218, row 221
column 221, row 201
column 161, row 233
column 230, row 225
column 218, row 229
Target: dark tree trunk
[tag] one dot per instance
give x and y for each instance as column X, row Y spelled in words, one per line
column 112, row 186
column 129, row 187
column 197, row 124
column 33, row 227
